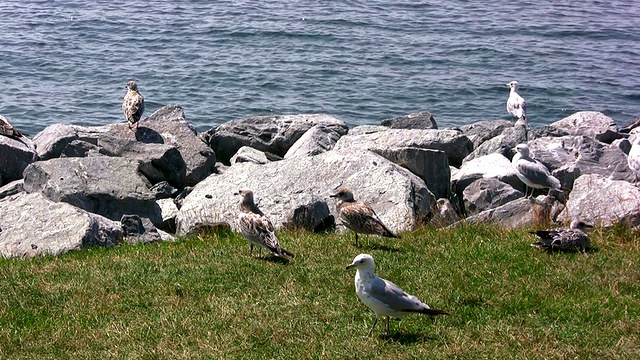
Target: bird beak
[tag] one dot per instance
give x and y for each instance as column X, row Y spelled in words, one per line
column 508, row 85
column 349, row 266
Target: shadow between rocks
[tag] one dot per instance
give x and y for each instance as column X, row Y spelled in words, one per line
column 148, row 136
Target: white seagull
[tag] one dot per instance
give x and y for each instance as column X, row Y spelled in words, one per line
column 532, row 172
column 257, row 227
column 633, row 159
column 384, row 297
column 516, row 105
column 573, row 238
column 359, row 216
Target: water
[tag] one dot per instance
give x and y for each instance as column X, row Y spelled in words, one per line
column 362, row 61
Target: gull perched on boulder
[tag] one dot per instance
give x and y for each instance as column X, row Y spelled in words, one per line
column 633, row 159
column 384, row 297
column 516, row 105
column 133, row 104
column 257, row 227
column 8, row 130
column 532, row 172
column 359, row 216
column 574, row 237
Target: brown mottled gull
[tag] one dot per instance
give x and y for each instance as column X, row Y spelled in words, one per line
column 574, row 237
column 133, row 104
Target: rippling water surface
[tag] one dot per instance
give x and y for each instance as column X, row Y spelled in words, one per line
column 362, row 61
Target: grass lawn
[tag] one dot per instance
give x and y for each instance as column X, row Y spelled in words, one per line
column 204, row 297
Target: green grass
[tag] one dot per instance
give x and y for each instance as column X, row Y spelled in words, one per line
column 204, row 297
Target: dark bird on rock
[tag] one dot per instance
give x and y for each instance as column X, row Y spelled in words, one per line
column 257, row 227
column 384, row 297
column 358, row 216
column 133, row 104
column 8, row 130
column 574, row 237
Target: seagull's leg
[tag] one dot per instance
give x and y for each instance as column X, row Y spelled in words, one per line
column 356, row 239
column 251, row 251
column 388, row 325
column 373, row 326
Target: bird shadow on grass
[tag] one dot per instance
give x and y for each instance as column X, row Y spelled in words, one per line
column 274, row 259
column 403, row 338
column 379, row 247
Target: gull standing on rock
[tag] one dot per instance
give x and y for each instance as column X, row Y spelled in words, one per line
column 573, row 238
column 133, row 104
column 359, row 216
column 532, row 172
column 633, row 159
column 384, row 297
column 7, row 129
column 516, row 105
column 256, row 227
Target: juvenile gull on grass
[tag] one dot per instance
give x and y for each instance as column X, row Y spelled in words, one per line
column 384, row 297
column 574, row 237
column 8, row 130
column 359, row 216
column 532, row 172
column 516, row 105
column 256, row 227
column 133, row 104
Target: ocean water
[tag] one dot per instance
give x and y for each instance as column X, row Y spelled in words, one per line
column 361, row 61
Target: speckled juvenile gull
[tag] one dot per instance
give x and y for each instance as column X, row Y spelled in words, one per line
column 633, row 159
column 516, row 105
column 359, row 216
column 532, row 172
column 574, row 237
column 257, row 227
column 133, row 104
column 384, row 297
column 8, row 130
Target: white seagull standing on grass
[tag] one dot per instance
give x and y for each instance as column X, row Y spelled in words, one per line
column 532, row 172
column 516, row 105
column 256, row 227
column 359, row 216
column 384, row 297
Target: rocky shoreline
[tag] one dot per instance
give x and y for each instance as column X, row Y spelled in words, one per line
column 72, row 186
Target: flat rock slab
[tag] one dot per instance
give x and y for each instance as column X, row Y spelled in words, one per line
column 32, row 225
column 419, row 120
column 295, row 192
column 603, row 202
column 452, row 142
column 591, row 124
column 108, row 186
column 274, row 134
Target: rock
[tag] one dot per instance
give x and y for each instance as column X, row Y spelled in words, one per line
column 367, row 129
column 569, row 157
column 481, row 131
column 83, row 182
column 315, row 141
column 12, row 188
column 488, row 193
column 419, row 120
column 590, row 124
column 432, row 166
column 452, row 142
column 15, row 155
column 623, row 144
column 603, row 202
column 33, row 225
column 169, row 211
column 501, row 144
column 249, row 154
column 282, row 188
column 163, row 190
column 164, row 129
column 514, row 214
column 138, row 230
column 274, row 134
column 487, row 166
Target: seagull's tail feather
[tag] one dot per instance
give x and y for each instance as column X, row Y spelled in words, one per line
column 388, row 233
column 433, row 312
column 287, row 253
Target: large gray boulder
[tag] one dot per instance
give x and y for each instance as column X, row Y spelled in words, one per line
column 481, row 131
column 591, row 124
column 569, row 157
column 249, row 154
column 452, row 142
column 366, row 129
column 108, row 186
column 287, row 191
column 12, row 188
column 523, row 212
column 503, row 144
column 164, row 129
column 419, row 120
column 33, row 225
column 315, row 141
column 274, row 134
column 15, row 155
column 601, row 201
column 489, row 166
column 488, row 193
